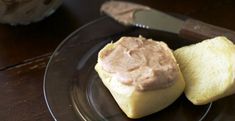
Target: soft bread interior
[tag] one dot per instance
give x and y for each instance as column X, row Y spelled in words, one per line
column 137, row 104
column 208, row 69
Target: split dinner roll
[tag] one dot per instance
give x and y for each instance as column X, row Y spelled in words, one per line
column 141, row 74
column 208, row 68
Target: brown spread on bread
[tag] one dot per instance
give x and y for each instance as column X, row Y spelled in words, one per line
column 140, row 62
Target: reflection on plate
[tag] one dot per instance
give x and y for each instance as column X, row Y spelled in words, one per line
column 74, row 92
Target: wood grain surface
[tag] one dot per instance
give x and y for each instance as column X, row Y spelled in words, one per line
column 25, row 50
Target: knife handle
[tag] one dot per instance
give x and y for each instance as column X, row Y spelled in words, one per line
column 197, row 31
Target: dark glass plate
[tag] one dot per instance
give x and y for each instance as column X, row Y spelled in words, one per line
column 74, row 92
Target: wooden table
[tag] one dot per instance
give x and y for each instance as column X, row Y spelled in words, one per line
column 25, row 50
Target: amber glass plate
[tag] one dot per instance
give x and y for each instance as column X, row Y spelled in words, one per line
column 74, row 92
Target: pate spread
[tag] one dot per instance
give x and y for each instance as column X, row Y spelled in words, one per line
column 142, row 63
column 122, row 11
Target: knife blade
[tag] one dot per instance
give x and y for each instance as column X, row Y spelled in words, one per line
column 142, row 16
column 173, row 24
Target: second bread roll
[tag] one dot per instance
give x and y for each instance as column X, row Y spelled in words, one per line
column 208, row 69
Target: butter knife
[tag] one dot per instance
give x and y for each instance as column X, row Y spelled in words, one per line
column 143, row 16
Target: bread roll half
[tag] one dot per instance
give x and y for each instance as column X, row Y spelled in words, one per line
column 159, row 81
column 208, row 69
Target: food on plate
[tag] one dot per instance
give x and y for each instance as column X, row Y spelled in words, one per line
column 208, row 69
column 141, row 74
column 26, row 11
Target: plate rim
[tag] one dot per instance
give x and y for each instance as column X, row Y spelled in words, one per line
column 60, row 45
